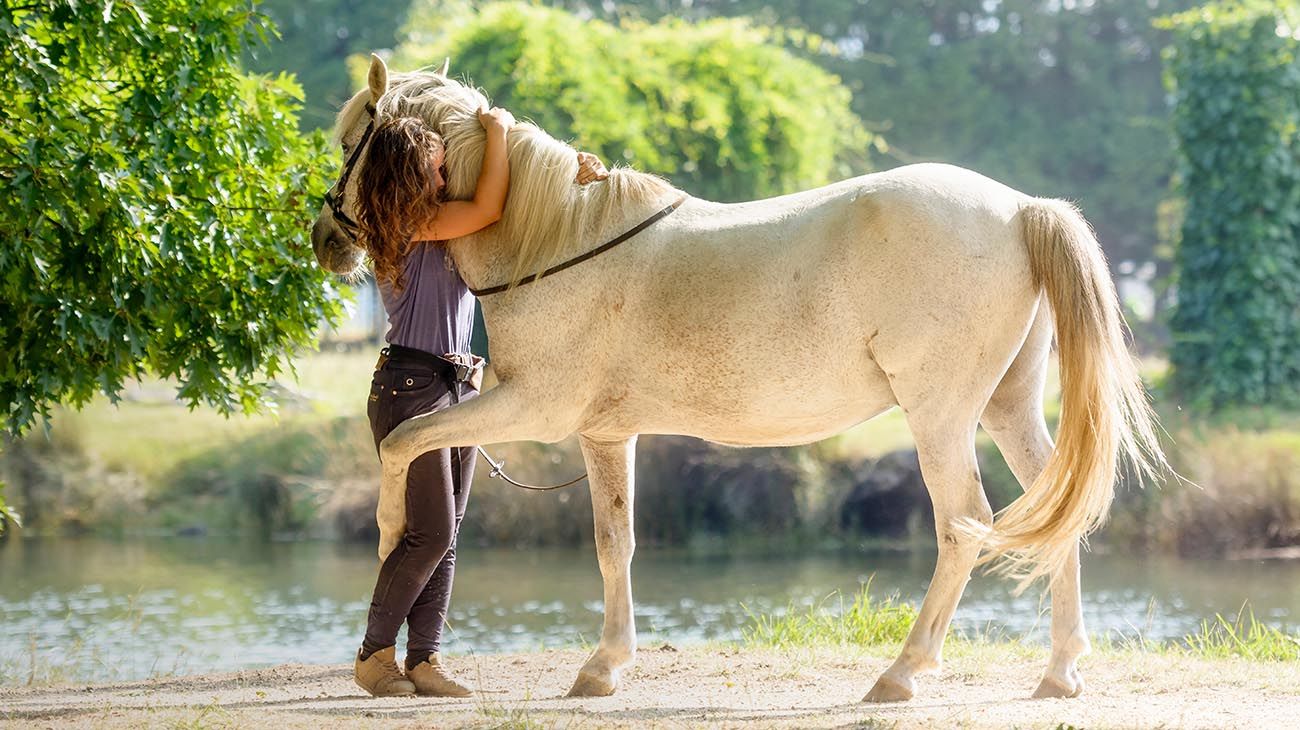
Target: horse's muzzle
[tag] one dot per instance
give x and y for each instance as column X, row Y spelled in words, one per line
column 333, row 251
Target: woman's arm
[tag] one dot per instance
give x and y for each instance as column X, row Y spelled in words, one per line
column 457, row 218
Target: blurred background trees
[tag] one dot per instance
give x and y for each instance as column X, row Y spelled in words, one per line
column 1058, row 98
column 718, row 106
column 1055, row 98
column 1235, row 75
column 313, row 39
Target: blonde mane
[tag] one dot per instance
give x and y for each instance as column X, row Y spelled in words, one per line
column 546, row 210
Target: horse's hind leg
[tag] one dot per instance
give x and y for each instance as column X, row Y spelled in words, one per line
column 946, row 446
column 610, row 473
column 1014, row 419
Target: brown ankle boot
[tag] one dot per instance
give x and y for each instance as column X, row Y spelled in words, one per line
column 431, row 680
column 380, row 676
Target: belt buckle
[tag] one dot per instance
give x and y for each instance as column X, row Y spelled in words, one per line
column 462, row 372
column 465, row 368
column 383, row 358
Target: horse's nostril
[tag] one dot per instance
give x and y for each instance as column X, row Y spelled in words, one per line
column 337, row 255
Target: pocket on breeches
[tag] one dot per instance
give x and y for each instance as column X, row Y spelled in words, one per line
column 410, row 393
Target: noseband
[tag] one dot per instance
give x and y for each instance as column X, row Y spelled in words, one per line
column 335, row 202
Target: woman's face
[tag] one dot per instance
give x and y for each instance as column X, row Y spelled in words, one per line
column 438, row 179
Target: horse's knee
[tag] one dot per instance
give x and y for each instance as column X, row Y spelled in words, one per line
column 389, row 449
column 615, row 543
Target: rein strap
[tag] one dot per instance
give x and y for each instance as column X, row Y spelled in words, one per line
column 590, row 254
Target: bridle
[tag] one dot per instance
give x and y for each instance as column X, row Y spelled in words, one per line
column 349, row 227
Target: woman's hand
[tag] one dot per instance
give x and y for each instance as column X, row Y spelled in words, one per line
column 590, row 168
column 496, row 119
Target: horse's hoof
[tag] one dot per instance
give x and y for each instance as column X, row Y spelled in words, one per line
column 589, row 685
column 888, row 690
column 1052, row 688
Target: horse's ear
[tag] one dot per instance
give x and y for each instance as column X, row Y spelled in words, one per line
column 446, row 64
column 378, row 78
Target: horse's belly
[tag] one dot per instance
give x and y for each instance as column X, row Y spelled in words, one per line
column 790, row 432
column 788, row 402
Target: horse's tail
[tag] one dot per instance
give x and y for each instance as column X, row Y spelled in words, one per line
column 1105, row 416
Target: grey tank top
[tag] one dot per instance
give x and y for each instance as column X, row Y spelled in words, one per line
column 434, row 311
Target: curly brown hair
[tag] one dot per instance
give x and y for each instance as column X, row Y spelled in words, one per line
column 397, row 191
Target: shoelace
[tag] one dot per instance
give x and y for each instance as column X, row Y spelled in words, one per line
column 390, row 670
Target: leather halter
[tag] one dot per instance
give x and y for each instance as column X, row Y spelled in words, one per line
column 335, row 202
column 663, row 213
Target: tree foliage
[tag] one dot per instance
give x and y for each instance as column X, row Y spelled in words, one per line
column 1235, row 75
column 718, row 107
column 156, row 206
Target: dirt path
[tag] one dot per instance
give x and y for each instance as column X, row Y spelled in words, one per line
column 980, row 686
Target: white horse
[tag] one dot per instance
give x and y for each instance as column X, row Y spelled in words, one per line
column 778, row 322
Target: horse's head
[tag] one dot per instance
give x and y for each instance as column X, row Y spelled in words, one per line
column 334, row 235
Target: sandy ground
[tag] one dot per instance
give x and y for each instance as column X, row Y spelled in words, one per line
column 980, row 686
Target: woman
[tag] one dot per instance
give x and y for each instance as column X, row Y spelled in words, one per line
column 430, row 315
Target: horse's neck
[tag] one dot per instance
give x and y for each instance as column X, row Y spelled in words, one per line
column 485, row 259
column 479, row 259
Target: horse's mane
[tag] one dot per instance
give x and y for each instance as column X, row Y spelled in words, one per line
column 545, row 209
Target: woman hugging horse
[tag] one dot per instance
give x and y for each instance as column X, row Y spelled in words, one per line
column 402, row 217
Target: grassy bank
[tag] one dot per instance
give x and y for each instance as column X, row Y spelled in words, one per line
column 863, row 620
column 150, row 465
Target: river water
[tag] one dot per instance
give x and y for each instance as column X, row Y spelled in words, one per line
column 96, row 610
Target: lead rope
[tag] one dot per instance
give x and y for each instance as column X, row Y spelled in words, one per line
column 498, row 467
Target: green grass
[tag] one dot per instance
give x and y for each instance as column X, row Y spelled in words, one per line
column 1243, row 636
column 865, row 621
column 869, row 439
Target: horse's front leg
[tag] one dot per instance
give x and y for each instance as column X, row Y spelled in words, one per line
column 501, row 414
column 610, row 474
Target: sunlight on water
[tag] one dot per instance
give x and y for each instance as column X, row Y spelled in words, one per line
column 99, row 610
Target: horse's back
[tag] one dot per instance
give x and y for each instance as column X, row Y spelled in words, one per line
column 868, row 248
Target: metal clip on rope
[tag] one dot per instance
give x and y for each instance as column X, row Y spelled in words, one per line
column 498, row 470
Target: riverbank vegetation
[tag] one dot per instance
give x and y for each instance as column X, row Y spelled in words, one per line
column 860, row 623
column 864, row 620
column 148, row 465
